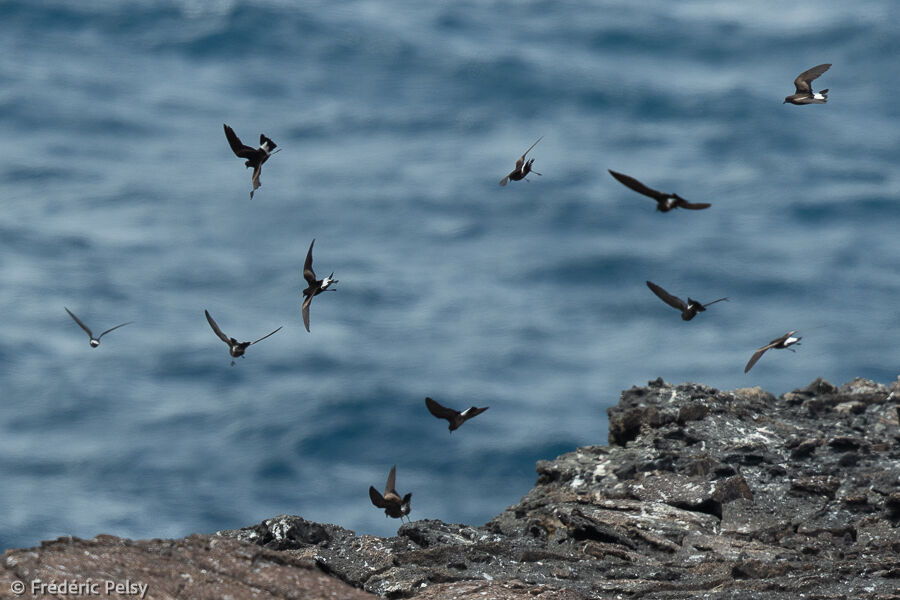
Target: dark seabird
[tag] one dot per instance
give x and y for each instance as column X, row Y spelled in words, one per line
column 316, row 286
column 235, row 348
column 778, row 343
column 455, row 417
column 689, row 310
column 805, row 93
column 664, row 202
column 393, row 505
column 95, row 341
column 522, row 168
column 255, row 156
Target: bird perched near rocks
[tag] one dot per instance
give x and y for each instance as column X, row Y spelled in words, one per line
column 454, row 417
column 393, row 505
column 255, row 156
column 803, row 83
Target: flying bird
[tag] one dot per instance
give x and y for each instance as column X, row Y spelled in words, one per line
column 664, row 202
column 454, row 417
column 804, row 93
column 778, row 343
column 95, row 341
column 316, row 286
column 393, row 505
column 235, row 348
column 255, row 156
column 688, row 310
column 522, row 168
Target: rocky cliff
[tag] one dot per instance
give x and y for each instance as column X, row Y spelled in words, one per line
column 700, row 493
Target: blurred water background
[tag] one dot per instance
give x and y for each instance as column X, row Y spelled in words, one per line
column 121, row 200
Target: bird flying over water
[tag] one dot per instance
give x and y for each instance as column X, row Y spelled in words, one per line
column 778, row 344
column 688, row 310
column 393, row 505
column 95, row 341
column 523, row 168
column 803, row 83
column 454, row 417
column 664, row 202
column 316, row 286
column 235, row 348
column 255, row 156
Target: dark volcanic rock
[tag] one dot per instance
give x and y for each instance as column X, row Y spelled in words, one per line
column 199, row 567
column 729, row 494
column 700, row 494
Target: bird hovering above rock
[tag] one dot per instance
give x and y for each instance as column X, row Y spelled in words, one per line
column 95, row 341
column 393, row 505
column 235, row 348
column 664, row 202
column 688, row 310
column 315, row 287
column 804, row 93
column 255, row 156
column 523, row 168
column 454, row 417
column 778, row 344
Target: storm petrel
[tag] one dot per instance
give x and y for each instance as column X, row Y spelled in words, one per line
column 454, row 417
column 805, row 93
column 95, row 341
column 689, row 310
column 778, row 343
column 523, row 168
column 255, row 156
column 316, row 286
column 393, row 505
column 235, row 348
column 664, row 202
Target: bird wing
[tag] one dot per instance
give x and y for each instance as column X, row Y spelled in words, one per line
column 691, row 206
column 637, row 186
column 308, row 274
column 255, row 178
column 263, row 140
column 113, row 328
column 215, row 327
column 265, row 336
column 441, row 412
column 391, row 481
column 756, row 356
column 473, row 411
column 714, row 301
column 673, row 301
column 80, row 324
column 802, row 83
column 376, row 497
column 237, row 146
column 529, row 150
column 305, row 311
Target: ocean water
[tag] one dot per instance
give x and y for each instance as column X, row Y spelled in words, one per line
column 122, row 201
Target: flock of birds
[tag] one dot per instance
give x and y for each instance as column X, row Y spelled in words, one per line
column 391, row 501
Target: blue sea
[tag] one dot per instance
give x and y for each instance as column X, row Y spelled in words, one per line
column 122, row 201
